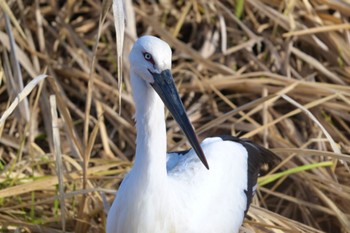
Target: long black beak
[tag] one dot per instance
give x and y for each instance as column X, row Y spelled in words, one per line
column 165, row 87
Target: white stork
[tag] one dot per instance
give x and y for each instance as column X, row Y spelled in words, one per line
column 174, row 192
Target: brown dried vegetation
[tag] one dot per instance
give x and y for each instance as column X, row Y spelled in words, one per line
column 277, row 72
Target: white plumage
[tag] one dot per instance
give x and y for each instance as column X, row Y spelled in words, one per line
column 174, row 192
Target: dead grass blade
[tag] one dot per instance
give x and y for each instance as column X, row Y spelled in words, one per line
column 20, row 54
column 310, row 60
column 119, row 24
column 103, row 131
column 102, row 19
column 20, row 96
column 8, row 11
column 17, row 83
column 328, row 136
column 68, row 120
column 340, row 215
column 296, row 111
column 320, row 29
column 48, row 182
column 58, row 159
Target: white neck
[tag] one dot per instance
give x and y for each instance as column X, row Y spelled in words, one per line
column 151, row 140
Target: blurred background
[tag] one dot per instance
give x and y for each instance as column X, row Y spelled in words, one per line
column 277, row 72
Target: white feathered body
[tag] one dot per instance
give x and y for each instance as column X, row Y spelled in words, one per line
column 190, row 198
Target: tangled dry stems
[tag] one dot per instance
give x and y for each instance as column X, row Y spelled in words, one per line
column 277, row 72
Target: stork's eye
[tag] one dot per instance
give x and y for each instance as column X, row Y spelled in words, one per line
column 147, row 56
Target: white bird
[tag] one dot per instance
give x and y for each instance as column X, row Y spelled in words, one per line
column 175, row 193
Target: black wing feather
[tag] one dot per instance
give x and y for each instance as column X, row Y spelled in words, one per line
column 257, row 156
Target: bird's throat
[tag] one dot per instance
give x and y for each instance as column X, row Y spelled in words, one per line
column 151, row 132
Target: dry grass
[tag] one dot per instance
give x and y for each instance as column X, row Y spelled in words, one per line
column 274, row 71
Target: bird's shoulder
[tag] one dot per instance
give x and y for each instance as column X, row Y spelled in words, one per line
column 257, row 155
column 213, row 146
column 228, row 156
column 188, row 157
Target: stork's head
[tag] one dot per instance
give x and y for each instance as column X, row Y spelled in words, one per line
column 150, row 60
column 149, row 55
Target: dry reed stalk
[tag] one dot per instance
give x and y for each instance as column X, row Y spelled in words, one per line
column 58, row 159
